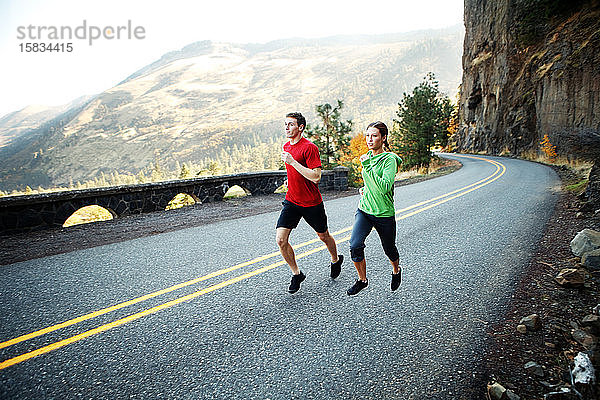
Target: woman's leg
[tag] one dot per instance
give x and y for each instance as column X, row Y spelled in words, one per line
column 396, row 266
column 386, row 229
column 361, row 269
column 361, row 229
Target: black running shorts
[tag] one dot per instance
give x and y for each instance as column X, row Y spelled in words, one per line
column 292, row 213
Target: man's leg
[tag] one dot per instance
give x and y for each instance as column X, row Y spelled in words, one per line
column 331, row 245
column 283, row 235
column 336, row 259
column 317, row 219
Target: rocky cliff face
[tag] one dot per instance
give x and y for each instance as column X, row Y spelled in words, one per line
column 530, row 68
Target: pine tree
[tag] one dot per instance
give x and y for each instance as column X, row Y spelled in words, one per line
column 332, row 138
column 184, row 172
column 423, row 120
column 141, row 177
column 103, row 181
column 214, row 167
column 157, row 172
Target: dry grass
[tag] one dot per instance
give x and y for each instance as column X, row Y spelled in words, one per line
column 235, row 192
column 88, row 214
column 95, row 213
column 580, row 169
column 281, row 189
column 436, row 164
column 181, row 200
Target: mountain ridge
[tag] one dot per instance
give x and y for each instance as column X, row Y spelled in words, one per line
column 190, row 104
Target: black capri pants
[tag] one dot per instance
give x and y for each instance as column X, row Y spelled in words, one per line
column 386, row 229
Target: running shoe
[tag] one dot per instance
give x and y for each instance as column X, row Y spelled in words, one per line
column 357, row 287
column 296, row 281
column 396, row 279
column 336, row 267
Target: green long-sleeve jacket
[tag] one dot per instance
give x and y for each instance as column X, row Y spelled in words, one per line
column 379, row 173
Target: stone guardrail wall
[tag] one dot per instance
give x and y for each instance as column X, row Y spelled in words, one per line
column 50, row 210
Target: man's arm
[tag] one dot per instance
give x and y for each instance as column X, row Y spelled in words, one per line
column 313, row 175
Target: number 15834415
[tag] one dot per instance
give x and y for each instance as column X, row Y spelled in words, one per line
column 46, row 47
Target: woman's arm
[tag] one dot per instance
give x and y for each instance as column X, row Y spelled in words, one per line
column 382, row 183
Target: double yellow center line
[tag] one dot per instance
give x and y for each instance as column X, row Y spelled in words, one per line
column 401, row 214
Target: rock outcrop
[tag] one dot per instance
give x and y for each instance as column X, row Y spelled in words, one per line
column 531, row 68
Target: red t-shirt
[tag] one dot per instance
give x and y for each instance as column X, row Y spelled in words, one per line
column 301, row 191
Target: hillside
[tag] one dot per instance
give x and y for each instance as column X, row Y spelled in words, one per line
column 17, row 123
column 191, row 104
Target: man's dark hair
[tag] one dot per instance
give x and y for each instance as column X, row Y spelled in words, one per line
column 299, row 118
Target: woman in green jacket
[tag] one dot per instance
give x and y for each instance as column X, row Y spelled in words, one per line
column 376, row 206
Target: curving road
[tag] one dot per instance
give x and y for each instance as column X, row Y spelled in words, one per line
column 230, row 330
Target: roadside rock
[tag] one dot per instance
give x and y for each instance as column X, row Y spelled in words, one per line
column 498, row 392
column 571, row 277
column 534, row 368
column 591, row 260
column 592, row 191
column 585, row 241
column 585, row 339
column 593, row 322
column 584, row 376
column 532, row 322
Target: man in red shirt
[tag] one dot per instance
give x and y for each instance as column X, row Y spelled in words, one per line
column 303, row 199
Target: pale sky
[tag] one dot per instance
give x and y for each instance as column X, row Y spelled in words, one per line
column 55, row 78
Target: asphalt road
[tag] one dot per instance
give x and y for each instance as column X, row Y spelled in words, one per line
column 239, row 335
